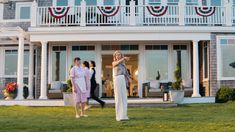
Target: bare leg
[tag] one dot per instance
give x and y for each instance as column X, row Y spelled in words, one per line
column 77, row 110
column 82, row 110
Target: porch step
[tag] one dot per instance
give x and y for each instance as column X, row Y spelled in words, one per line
column 151, row 102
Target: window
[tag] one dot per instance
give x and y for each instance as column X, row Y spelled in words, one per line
column 62, row 3
column 173, row 2
column 191, row 2
column 215, row 2
column 120, row 47
column 11, row 57
column 23, row 10
column 181, row 57
column 109, row 2
column 227, row 60
column 154, row 2
column 84, row 52
column 59, row 63
column 153, row 55
column 205, row 60
column 88, row 2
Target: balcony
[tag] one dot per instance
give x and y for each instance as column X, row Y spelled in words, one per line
column 134, row 15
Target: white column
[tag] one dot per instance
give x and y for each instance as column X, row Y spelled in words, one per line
column 43, row 90
column 141, row 70
column 31, row 67
column 83, row 13
column 228, row 12
column 1, row 11
column 34, row 14
column 132, row 13
column 181, row 12
column 20, row 68
column 99, row 68
column 195, row 69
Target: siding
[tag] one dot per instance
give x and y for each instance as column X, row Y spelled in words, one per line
column 214, row 83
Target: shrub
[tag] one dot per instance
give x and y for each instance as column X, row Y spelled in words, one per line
column 69, row 86
column 177, row 84
column 225, row 94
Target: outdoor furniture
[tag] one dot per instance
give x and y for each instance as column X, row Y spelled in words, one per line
column 55, row 90
column 149, row 91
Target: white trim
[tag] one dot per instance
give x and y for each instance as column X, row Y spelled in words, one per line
column 2, row 62
column 219, row 56
column 23, row 4
column 1, row 11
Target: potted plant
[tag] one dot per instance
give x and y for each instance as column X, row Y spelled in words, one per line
column 177, row 93
column 10, row 91
column 67, row 94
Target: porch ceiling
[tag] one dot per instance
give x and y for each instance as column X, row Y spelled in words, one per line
column 154, row 33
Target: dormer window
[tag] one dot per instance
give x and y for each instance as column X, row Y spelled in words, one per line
column 23, row 10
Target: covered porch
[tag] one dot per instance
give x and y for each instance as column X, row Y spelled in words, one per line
column 50, row 38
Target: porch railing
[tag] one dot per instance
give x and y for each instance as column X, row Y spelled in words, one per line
column 95, row 16
column 214, row 18
column 134, row 15
column 46, row 16
column 144, row 16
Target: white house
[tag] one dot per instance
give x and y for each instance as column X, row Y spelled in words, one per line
column 39, row 39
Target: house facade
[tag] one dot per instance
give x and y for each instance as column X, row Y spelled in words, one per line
column 39, row 39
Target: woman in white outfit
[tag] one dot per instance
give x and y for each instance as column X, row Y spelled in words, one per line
column 120, row 79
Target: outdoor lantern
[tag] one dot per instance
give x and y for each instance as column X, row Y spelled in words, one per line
column 165, row 96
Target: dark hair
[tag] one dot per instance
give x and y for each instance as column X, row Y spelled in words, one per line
column 93, row 63
column 86, row 64
column 76, row 59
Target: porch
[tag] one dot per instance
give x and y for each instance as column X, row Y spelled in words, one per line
column 133, row 14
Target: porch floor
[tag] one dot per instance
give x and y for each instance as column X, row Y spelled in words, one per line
column 138, row 102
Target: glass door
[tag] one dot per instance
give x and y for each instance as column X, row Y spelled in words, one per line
column 107, row 75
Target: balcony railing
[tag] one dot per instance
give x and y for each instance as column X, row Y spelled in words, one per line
column 134, row 15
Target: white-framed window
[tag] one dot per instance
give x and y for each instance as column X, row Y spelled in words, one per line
column 225, row 57
column 88, row 2
column 10, row 63
column 109, row 2
column 59, row 59
column 205, row 60
column 23, row 10
column 62, row 2
column 191, row 2
column 154, row 2
column 153, row 55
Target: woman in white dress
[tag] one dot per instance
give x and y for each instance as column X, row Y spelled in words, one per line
column 120, row 79
column 80, row 82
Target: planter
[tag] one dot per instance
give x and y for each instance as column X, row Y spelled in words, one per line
column 176, row 96
column 68, row 99
column 9, row 96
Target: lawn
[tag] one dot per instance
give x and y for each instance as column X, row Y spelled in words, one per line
column 199, row 117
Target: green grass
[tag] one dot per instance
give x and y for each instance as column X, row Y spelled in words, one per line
column 199, row 117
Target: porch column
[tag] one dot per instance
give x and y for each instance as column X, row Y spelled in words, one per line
column 43, row 90
column 20, row 68
column 195, row 69
column 31, row 67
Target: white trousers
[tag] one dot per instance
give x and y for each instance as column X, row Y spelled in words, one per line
column 120, row 96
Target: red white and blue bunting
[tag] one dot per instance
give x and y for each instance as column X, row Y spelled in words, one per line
column 157, row 10
column 108, row 11
column 58, row 12
column 205, row 11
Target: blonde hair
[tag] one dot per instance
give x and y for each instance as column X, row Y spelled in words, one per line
column 115, row 53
